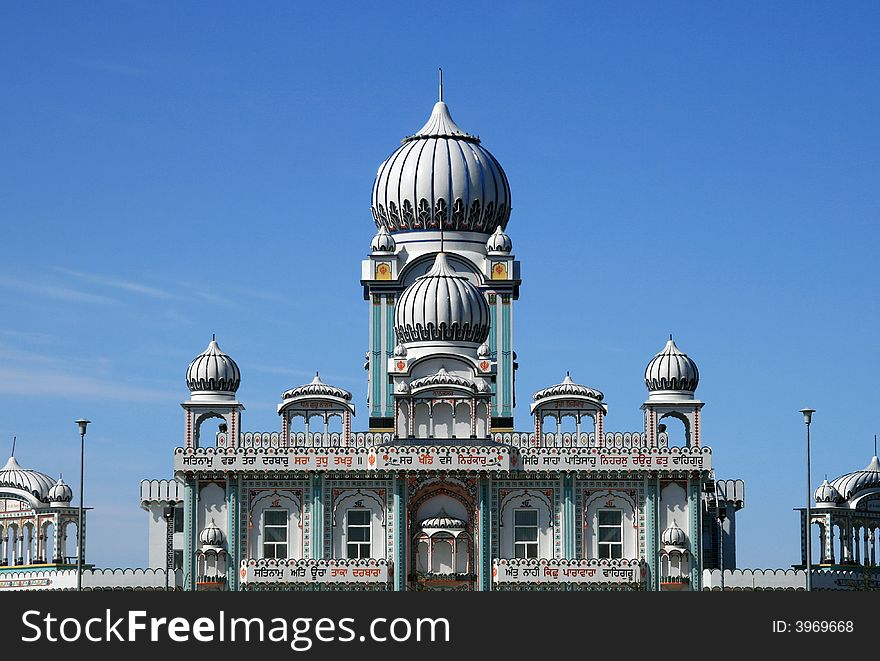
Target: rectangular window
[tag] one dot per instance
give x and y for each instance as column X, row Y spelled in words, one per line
column 357, row 533
column 525, row 533
column 609, row 529
column 275, row 533
column 178, row 519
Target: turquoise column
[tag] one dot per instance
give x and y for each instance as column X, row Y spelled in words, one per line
column 652, row 559
column 317, row 515
column 390, row 341
column 505, row 367
column 190, row 518
column 568, row 517
column 694, row 502
column 377, row 369
column 493, row 349
column 233, row 538
column 400, row 534
column 484, row 554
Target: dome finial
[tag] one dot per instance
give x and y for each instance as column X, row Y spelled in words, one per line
column 213, row 337
column 13, row 447
column 440, row 99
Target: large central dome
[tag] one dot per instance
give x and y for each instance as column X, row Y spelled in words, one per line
column 441, row 176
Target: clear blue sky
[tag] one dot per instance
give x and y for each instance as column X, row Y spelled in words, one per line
column 172, row 170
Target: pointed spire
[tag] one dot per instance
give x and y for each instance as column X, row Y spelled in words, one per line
column 440, row 97
column 14, row 437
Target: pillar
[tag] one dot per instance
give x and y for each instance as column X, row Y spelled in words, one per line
column 234, row 554
column 652, row 536
column 190, row 527
column 568, row 516
column 401, row 533
column 317, row 515
column 484, row 568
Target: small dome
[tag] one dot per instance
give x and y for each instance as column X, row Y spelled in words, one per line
column 211, row 535
column 383, row 241
column 60, row 492
column 569, row 387
column 672, row 370
column 444, row 378
column 14, row 476
column 443, row 522
column 853, row 484
column 827, row 494
column 441, row 176
column 674, row 537
column 483, row 351
column 316, row 387
column 441, row 305
column 213, row 372
column 400, row 351
column 499, row 242
column 483, row 386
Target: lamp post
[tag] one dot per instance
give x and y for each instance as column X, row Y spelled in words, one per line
column 83, row 423
column 808, row 418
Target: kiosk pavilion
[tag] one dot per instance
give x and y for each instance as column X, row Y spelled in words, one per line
column 441, row 493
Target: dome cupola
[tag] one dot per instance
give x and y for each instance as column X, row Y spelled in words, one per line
column 853, row 485
column 499, row 243
column 674, row 537
column 35, row 483
column 211, row 536
column 827, row 495
column 441, row 305
column 441, row 177
column 213, row 373
column 60, row 493
column 672, row 371
column 383, row 241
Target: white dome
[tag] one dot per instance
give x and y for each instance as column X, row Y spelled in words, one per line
column 853, row 484
column 827, row 494
column 441, row 176
column 674, row 536
column 499, row 242
column 383, row 241
column 211, row 535
column 317, row 388
column 213, row 371
column 60, row 492
column 443, row 522
column 14, row 476
column 441, row 305
column 672, row 370
column 569, row 387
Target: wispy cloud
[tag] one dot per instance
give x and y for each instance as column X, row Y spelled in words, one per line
column 113, row 67
column 308, row 375
column 116, row 283
column 56, row 292
column 64, row 385
column 28, row 336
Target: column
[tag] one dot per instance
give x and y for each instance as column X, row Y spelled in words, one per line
column 317, row 516
column 568, row 516
column 484, row 525
column 695, row 537
column 652, row 521
column 401, row 536
column 233, row 534
column 190, row 518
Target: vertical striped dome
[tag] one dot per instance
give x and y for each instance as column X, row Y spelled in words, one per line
column 672, row 370
column 213, row 371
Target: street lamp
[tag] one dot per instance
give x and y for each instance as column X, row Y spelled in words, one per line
column 83, row 423
column 808, row 418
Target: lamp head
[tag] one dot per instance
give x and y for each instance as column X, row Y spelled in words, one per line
column 83, row 423
column 808, row 415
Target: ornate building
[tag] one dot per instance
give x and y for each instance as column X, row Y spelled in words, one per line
column 440, row 492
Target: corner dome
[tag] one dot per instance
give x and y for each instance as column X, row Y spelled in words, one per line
column 672, row 371
column 441, row 305
column 211, row 535
column 443, row 521
column 499, row 242
column 383, row 241
column 570, row 388
column 15, row 476
column 827, row 494
column 213, row 372
column 317, row 388
column 674, row 537
column 60, row 492
column 441, row 177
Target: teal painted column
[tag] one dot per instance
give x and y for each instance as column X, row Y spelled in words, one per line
column 377, row 369
column 400, row 534
column 652, row 560
column 390, row 341
column 190, row 518
column 695, row 535
column 484, row 554
column 233, row 537
column 568, row 517
column 505, row 366
column 317, row 514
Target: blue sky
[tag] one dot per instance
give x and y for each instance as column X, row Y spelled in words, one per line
column 705, row 169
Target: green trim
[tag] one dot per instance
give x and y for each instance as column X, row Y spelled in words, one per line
column 388, row 311
column 484, row 573
column 568, row 517
column 652, row 561
column 400, row 535
column 190, row 491
column 696, row 537
column 375, row 355
column 506, row 368
column 317, row 514
column 232, row 537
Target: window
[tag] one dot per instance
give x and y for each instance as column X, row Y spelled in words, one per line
column 525, row 533
column 275, row 533
column 357, row 533
column 610, row 531
column 178, row 560
column 178, row 519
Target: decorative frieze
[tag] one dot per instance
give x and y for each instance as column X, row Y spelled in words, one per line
column 334, row 570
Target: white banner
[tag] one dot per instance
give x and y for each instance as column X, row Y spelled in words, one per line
column 315, row 571
column 566, row 571
column 645, row 459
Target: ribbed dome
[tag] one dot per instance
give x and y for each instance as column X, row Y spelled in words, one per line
column 499, row 242
column 674, row 536
column 60, row 492
column 671, row 369
column 211, row 535
column 441, row 176
column 441, row 305
column 213, row 371
column 14, row 476
column 569, row 387
column 443, row 522
column 383, row 241
column 852, row 484
column 317, row 388
column 444, row 378
column 827, row 494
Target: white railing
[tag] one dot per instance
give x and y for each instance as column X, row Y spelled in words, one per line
column 161, row 491
column 92, row 579
column 786, row 579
